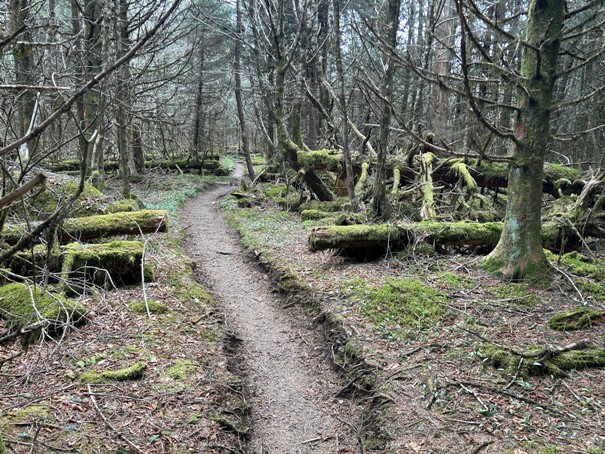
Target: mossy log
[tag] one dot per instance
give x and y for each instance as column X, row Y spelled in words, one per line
column 91, row 263
column 94, row 263
column 542, row 361
column 320, row 159
column 100, row 226
column 558, row 179
column 576, row 319
column 133, row 372
column 398, row 235
column 24, row 305
column 478, row 234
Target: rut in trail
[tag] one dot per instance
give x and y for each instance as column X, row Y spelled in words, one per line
column 290, row 383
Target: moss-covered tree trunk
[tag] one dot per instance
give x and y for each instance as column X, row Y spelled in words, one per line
column 519, row 252
column 379, row 203
column 287, row 146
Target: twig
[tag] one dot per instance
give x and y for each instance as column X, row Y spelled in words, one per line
column 573, row 284
column 516, row 374
column 572, row 392
column 10, row 358
column 481, row 447
column 527, row 400
column 100, row 413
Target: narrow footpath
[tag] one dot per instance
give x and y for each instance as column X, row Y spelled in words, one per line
column 291, row 387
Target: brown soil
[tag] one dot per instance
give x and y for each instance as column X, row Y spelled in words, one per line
column 290, row 384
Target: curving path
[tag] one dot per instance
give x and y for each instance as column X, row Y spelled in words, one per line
column 291, row 387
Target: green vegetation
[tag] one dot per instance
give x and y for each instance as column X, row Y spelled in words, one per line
column 320, row 159
column 589, row 273
column 182, row 369
column 575, row 319
column 340, row 204
column 173, row 192
column 363, row 178
column 123, row 205
column 60, row 188
column 22, row 305
column 399, row 303
column 133, row 372
column 518, row 292
column 537, row 361
column 313, row 215
column 140, row 307
column 121, row 260
column 258, row 227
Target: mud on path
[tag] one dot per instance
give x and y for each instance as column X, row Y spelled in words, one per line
column 290, row 384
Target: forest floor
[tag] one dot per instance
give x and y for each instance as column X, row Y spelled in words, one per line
column 187, row 399
column 321, row 353
column 421, row 323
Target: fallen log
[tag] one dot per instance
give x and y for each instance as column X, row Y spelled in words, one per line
column 398, row 235
column 103, row 264
column 100, row 226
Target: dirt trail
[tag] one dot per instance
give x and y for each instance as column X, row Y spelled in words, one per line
column 291, row 386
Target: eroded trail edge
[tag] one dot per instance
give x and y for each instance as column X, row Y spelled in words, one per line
column 292, row 388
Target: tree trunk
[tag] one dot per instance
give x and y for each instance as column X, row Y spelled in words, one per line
column 103, row 225
column 519, row 252
column 342, row 103
column 379, row 203
column 238, row 91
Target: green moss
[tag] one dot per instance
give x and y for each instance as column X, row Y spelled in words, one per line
column 22, row 305
column 124, row 205
column 155, row 307
column 133, row 372
column 187, row 290
column 461, row 170
column 362, row 235
column 320, row 159
column 555, row 365
column 121, row 260
column 363, row 178
column 453, row 281
column 340, row 204
column 407, row 303
column 589, row 273
column 312, row 215
column 27, row 414
column 278, row 190
column 558, row 172
column 59, row 189
column 181, row 370
column 575, row 319
column 518, row 292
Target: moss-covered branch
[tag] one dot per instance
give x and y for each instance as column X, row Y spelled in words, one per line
column 24, row 306
column 104, row 225
column 541, row 361
column 400, row 234
column 133, row 372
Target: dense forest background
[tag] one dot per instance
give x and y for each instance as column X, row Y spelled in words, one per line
column 118, row 84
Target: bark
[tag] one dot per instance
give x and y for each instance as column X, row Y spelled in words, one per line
column 519, row 252
column 39, row 179
column 238, row 91
column 101, row 226
column 342, row 104
column 398, row 235
column 199, row 112
column 394, row 236
column 379, row 203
